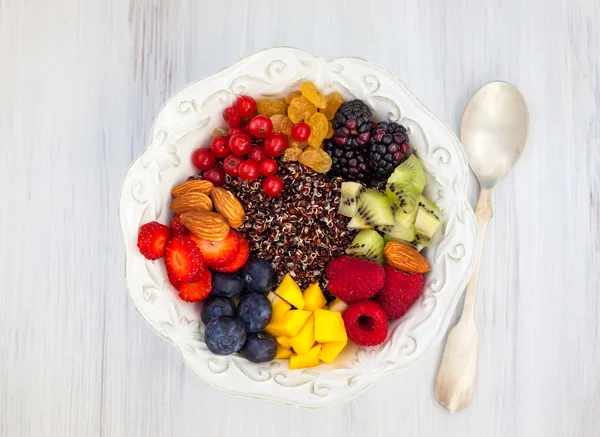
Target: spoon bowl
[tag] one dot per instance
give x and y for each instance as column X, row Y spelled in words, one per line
column 494, row 131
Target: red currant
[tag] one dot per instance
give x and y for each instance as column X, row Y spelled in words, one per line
column 232, row 116
column 248, row 170
column 235, row 130
column 275, row 144
column 260, row 126
column 240, row 144
column 268, row 167
column 256, row 154
column 231, row 164
column 203, row 159
column 220, row 146
column 300, row 132
column 245, row 106
column 216, row 176
column 272, row 186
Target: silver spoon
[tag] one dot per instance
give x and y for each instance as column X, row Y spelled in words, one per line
column 493, row 132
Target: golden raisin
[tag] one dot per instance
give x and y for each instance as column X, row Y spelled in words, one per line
column 334, row 101
column 316, row 158
column 286, row 126
column 330, row 131
column 301, row 109
column 292, row 154
column 219, row 132
column 276, row 120
column 318, row 129
column 291, row 96
column 310, row 91
column 271, row 107
column 297, row 144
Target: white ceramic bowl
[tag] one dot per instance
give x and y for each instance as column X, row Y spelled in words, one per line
column 187, row 120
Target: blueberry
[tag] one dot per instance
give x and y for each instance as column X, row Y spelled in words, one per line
column 259, row 347
column 226, row 284
column 254, row 310
column 216, row 306
column 258, row 275
column 225, row 335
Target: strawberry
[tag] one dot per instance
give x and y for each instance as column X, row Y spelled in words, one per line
column 198, row 290
column 152, row 240
column 241, row 258
column 218, row 253
column 183, row 260
column 400, row 291
column 177, row 227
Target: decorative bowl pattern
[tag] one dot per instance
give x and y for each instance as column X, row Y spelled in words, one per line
column 188, row 119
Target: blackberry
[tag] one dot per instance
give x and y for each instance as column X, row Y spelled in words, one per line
column 349, row 162
column 387, row 149
column 352, row 124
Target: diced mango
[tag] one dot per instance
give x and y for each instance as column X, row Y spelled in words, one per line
column 280, row 306
column 308, row 359
column 282, row 352
column 330, row 351
column 305, row 339
column 329, row 327
column 284, row 341
column 313, row 298
column 291, row 323
column 273, row 328
column 338, row 305
column 289, row 291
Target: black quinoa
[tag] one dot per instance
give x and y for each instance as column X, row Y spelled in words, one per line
column 299, row 231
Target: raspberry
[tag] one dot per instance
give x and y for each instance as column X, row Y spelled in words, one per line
column 401, row 290
column 366, row 323
column 354, row 279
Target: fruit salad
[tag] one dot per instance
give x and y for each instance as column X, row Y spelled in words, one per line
column 301, row 230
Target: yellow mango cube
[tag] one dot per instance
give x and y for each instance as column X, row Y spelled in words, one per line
column 280, row 306
column 305, row 339
column 282, row 352
column 307, row 359
column 274, row 328
column 289, row 291
column 291, row 323
column 284, row 341
column 338, row 305
column 330, row 351
column 329, row 327
column 313, row 298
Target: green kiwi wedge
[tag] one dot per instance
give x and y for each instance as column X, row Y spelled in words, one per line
column 351, row 192
column 373, row 209
column 409, row 174
column 367, row 244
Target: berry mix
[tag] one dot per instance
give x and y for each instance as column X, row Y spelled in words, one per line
column 301, row 230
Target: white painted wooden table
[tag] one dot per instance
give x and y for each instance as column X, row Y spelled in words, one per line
column 80, row 82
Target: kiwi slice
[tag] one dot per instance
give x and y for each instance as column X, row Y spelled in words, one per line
column 421, row 240
column 374, row 209
column 418, row 247
column 409, row 173
column 429, row 206
column 367, row 244
column 426, row 223
column 399, row 232
column 351, row 192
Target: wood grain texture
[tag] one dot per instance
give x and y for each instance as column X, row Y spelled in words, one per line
column 80, row 83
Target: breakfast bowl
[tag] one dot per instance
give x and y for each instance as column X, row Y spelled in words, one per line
column 187, row 121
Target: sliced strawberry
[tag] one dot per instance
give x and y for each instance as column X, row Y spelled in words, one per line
column 218, row 253
column 152, row 240
column 239, row 261
column 174, row 282
column 177, row 227
column 196, row 291
column 183, row 260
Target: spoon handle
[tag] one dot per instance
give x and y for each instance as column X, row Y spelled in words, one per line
column 456, row 376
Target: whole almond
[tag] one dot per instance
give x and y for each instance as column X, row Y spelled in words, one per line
column 206, row 224
column 198, row 185
column 191, row 201
column 229, row 206
column 405, row 258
